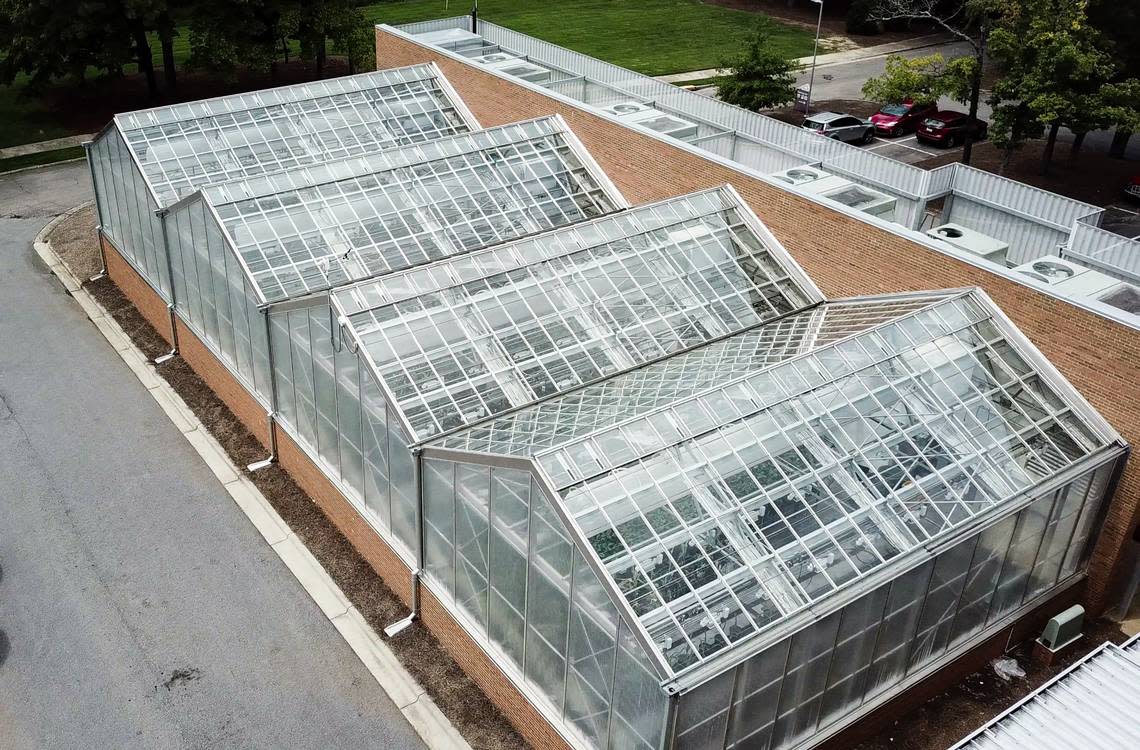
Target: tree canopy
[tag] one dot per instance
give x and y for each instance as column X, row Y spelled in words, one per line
column 761, row 78
column 1055, row 71
column 922, row 79
column 55, row 39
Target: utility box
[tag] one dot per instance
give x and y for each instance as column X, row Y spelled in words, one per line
column 1061, row 631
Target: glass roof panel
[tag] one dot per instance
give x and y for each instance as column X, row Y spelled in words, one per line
column 183, row 147
column 313, row 228
column 618, row 399
column 474, row 336
column 740, row 512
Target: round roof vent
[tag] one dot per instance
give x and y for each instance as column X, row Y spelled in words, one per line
column 1052, row 271
column 625, row 108
column 948, row 232
column 802, row 175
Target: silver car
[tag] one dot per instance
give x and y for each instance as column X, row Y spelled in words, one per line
column 841, row 127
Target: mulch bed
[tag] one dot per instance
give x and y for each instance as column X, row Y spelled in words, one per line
column 460, row 699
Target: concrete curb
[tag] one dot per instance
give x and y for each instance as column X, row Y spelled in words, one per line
column 417, row 707
column 55, row 144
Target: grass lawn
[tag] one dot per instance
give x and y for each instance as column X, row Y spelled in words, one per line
column 650, row 36
column 44, row 157
column 654, row 37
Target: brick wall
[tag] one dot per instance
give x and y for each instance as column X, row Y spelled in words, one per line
column 234, row 395
column 845, row 257
column 135, row 288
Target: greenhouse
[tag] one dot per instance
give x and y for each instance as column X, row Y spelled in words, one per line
column 144, row 161
column 680, row 498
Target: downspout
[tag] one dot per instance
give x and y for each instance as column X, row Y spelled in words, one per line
column 98, row 212
column 418, row 484
column 669, row 736
column 271, row 417
column 161, row 214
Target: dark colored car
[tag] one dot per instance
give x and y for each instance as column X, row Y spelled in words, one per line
column 896, row 119
column 1132, row 189
column 949, row 128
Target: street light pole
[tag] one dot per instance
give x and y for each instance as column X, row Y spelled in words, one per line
column 814, row 55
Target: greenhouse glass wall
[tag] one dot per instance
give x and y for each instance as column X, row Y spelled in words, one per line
column 680, row 498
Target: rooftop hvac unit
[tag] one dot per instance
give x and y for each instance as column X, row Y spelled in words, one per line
column 864, row 199
column 1067, row 276
column 527, row 71
column 624, row 109
column 514, row 66
column 1063, row 629
column 971, row 241
column 497, row 58
column 1125, row 297
column 842, row 190
column 799, row 175
column 453, row 39
column 665, row 124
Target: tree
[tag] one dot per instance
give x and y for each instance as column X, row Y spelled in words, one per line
column 921, row 79
column 236, row 33
column 1119, row 24
column 1054, row 70
column 317, row 22
column 761, row 78
column 966, row 20
column 50, row 39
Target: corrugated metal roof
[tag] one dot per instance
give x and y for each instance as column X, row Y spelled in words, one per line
column 1093, row 704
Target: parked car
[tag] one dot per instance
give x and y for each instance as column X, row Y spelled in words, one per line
column 904, row 117
column 1132, row 189
column 949, row 128
column 841, row 127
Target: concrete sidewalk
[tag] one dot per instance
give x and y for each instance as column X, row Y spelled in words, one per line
column 26, row 149
column 832, row 58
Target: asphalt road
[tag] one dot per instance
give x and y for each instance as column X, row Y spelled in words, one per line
column 138, row 606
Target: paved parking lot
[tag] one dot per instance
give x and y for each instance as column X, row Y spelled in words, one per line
column 139, row 608
column 908, row 149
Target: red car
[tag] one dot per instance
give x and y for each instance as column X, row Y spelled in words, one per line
column 1132, row 189
column 949, row 128
column 896, row 119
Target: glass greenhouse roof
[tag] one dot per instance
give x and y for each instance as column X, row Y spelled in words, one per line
column 732, row 485
column 183, row 147
column 720, row 515
column 593, row 408
column 474, row 336
column 316, row 227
